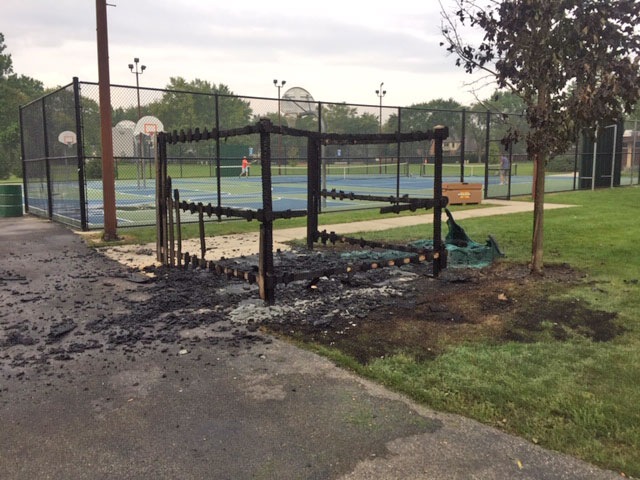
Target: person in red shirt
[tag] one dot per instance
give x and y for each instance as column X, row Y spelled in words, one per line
column 245, row 167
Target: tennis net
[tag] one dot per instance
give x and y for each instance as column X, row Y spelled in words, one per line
column 295, row 174
column 451, row 170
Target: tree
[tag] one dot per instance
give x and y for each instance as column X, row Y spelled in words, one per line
column 574, row 63
column 15, row 90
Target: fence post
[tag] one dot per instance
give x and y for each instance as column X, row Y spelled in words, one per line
column 462, row 142
column 398, row 160
column 265, row 261
column 218, row 172
column 24, row 165
column 46, row 160
column 486, row 156
column 80, row 153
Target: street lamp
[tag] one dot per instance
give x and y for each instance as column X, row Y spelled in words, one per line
column 282, row 83
column 137, row 73
column 381, row 93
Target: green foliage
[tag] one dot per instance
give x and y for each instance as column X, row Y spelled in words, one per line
column 425, row 116
column 15, row 90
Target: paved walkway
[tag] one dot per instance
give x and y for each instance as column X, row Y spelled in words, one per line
column 500, row 207
column 250, row 411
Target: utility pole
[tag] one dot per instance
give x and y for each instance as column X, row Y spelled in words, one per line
column 282, row 83
column 104, row 85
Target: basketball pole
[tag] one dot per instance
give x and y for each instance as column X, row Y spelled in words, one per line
column 108, row 179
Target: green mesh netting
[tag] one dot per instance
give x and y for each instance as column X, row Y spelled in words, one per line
column 462, row 251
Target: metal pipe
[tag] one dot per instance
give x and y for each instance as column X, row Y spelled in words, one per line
column 108, row 180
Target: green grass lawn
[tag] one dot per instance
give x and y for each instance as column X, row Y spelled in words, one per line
column 576, row 396
column 11, row 179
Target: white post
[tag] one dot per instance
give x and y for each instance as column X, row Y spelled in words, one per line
column 613, row 159
column 593, row 168
column 633, row 151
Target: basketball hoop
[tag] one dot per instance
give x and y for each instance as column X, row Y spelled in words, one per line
column 148, row 126
column 68, row 138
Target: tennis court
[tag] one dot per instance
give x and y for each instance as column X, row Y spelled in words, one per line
column 135, row 199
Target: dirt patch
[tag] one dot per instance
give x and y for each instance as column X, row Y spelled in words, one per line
column 498, row 304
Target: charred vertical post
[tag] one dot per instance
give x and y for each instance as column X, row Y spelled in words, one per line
column 439, row 254
column 203, row 247
column 265, row 267
column 165, row 195
column 313, row 194
column 172, row 249
column 158, row 159
column 176, row 201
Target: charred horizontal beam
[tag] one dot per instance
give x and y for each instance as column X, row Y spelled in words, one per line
column 240, row 212
column 341, row 195
column 415, row 204
column 351, row 268
column 218, row 268
column 197, row 135
column 333, row 237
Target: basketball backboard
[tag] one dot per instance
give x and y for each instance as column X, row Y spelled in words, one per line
column 68, row 137
column 148, row 125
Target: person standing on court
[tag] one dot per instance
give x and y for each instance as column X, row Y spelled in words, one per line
column 245, row 167
column 504, row 168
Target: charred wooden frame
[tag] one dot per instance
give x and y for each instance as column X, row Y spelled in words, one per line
column 264, row 273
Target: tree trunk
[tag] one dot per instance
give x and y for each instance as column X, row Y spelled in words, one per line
column 538, row 214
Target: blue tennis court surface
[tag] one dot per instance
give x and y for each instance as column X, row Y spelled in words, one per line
column 135, row 201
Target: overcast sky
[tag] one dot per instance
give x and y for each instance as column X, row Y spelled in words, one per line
column 338, row 50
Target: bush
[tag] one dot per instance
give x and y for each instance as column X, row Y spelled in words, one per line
column 93, row 169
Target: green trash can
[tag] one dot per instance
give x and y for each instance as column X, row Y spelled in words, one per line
column 10, row 200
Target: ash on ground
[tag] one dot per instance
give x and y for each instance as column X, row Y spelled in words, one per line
column 96, row 306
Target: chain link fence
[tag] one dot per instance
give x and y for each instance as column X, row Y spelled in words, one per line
column 62, row 163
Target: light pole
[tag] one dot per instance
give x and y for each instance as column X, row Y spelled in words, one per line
column 380, row 93
column 138, row 73
column 282, row 83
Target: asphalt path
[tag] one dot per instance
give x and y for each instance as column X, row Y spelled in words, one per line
column 195, row 400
